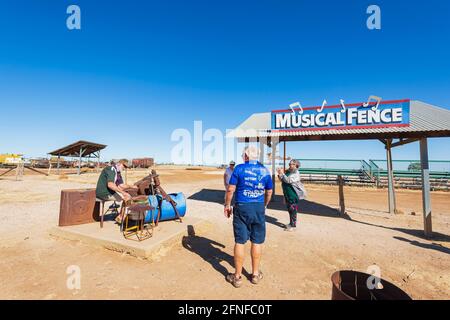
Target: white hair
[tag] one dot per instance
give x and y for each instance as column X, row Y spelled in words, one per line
column 296, row 162
column 251, row 152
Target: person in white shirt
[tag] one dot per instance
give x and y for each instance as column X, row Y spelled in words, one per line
column 227, row 174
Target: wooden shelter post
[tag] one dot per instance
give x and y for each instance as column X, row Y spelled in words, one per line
column 261, row 151
column 79, row 160
column 426, row 188
column 391, row 190
column 274, row 152
column 98, row 161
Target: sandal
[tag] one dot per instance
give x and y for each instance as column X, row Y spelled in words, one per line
column 257, row 277
column 231, row 278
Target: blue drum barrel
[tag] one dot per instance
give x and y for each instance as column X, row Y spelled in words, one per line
column 151, row 215
column 167, row 210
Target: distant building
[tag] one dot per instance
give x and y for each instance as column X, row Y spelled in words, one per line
column 10, row 159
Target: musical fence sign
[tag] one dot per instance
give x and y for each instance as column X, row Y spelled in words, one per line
column 351, row 116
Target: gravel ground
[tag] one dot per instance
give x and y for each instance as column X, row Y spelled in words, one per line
column 296, row 265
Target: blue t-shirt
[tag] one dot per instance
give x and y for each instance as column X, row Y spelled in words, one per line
column 251, row 180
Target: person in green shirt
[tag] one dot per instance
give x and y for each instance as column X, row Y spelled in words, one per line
column 110, row 185
column 293, row 191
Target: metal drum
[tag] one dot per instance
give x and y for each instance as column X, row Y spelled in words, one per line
column 352, row 285
column 151, row 215
column 167, row 210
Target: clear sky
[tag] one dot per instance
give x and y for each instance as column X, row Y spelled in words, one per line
column 137, row 70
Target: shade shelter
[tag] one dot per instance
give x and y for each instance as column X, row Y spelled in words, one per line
column 394, row 123
column 80, row 149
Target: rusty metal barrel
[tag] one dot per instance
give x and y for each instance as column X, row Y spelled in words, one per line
column 352, row 285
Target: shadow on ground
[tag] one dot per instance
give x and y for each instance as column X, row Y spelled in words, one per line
column 412, row 232
column 209, row 195
column 210, row 251
column 431, row 246
column 306, row 207
column 313, row 208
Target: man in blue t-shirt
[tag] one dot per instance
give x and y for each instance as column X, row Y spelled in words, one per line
column 253, row 186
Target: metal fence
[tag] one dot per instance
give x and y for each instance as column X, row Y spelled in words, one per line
column 407, row 173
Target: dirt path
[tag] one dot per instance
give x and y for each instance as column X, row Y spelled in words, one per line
column 296, row 265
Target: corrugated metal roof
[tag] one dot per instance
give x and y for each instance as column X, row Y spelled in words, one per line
column 73, row 150
column 425, row 120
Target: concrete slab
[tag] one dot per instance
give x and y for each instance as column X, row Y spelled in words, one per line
column 165, row 236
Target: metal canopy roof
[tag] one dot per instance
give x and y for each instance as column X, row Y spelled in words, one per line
column 73, row 150
column 425, row 121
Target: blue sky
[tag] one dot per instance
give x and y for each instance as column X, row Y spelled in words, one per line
column 137, row 70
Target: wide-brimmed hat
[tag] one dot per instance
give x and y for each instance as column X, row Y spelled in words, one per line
column 124, row 162
column 232, row 163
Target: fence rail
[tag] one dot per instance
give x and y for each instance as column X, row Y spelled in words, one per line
column 407, row 173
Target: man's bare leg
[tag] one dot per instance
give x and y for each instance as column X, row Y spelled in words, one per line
column 256, row 251
column 238, row 258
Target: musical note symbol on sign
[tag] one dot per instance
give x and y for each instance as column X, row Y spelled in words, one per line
column 342, row 105
column 323, row 105
column 296, row 104
column 377, row 99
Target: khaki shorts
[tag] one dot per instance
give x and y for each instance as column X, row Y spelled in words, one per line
column 114, row 197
